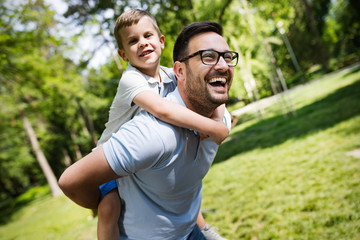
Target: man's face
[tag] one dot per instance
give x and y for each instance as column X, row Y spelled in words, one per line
column 208, row 85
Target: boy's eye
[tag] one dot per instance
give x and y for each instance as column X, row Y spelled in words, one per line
column 148, row 35
column 132, row 41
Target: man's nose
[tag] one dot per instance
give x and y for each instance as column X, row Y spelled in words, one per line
column 221, row 65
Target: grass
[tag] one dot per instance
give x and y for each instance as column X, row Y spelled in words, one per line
column 276, row 178
column 44, row 217
column 290, row 178
column 304, row 188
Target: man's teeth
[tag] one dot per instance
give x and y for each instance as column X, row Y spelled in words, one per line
column 220, row 80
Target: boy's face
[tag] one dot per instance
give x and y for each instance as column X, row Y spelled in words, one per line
column 142, row 45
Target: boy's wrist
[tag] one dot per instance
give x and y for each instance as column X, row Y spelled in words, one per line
column 219, row 127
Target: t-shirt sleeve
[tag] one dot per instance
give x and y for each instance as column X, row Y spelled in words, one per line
column 227, row 119
column 136, row 146
column 131, row 84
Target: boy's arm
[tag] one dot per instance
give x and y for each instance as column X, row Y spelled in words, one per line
column 80, row 182
column 218, row 116
column 219, row 113
column 178, row 115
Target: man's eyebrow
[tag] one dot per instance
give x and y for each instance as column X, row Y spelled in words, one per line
column 212, row 49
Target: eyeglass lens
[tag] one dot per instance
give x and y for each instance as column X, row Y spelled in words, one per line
column 212, row 57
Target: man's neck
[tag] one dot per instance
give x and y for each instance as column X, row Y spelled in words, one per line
column 206, row 110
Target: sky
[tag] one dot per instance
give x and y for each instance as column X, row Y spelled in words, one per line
column 86, row 43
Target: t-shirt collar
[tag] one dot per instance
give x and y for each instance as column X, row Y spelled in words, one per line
column 163, row 75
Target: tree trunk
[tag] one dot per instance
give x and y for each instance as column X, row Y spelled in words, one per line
column 89, row 123
column 310, row 14
column 45, row 167
column 67, row 159
column 320, row 42
column 222, row 11
column 77, row 148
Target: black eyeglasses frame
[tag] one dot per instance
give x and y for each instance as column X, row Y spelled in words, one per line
column 220, row 54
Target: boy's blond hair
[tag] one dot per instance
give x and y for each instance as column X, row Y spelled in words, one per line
column 129, row 18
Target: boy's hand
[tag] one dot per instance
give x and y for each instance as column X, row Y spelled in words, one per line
column 219, row 133
column 203, row 136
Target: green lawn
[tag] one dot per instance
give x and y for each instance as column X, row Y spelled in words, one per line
column 276, row 178
column 290, row 178
column 46, row 218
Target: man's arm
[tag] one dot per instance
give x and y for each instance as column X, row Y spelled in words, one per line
column 80, row 182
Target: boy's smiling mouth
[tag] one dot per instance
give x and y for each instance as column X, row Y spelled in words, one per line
column 144, row 53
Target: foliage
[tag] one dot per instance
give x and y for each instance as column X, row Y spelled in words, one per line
column 343, row 28
column 36, row 80
column 17, row 54
column 101, row 88
column 300, row 184
column 67, row 103
column 311, row 27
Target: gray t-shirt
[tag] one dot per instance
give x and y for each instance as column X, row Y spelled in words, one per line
column 162, row 167
column 133, row 82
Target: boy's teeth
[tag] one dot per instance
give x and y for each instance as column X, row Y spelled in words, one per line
column 145, row 53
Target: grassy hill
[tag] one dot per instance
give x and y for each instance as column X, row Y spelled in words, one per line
column 278, row 177
column 37, row 215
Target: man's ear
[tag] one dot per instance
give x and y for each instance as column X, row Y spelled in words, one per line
column 179, row 70
column 122, row 54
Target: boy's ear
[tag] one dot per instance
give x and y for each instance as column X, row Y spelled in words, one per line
column 179, row 70
column 122, row 54
column 162, row 41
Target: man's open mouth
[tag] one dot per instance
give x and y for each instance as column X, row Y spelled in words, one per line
column 217, row 82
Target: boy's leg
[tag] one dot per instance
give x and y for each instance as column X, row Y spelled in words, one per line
column 200, row 220
column 207, row 230
column 109, row 210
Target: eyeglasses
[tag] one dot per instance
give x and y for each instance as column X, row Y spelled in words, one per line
column 211, row 57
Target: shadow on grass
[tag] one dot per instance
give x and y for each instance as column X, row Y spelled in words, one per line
column 354, row 69
column 12, row 206
column 335, row 108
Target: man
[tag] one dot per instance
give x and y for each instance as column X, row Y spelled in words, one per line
column 159, row 166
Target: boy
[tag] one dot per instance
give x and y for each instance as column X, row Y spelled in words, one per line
column 140, row 42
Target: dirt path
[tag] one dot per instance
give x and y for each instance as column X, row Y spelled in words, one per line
column 266, row 102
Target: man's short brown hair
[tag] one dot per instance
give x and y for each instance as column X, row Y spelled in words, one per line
column 182, row 42
column 129, row 18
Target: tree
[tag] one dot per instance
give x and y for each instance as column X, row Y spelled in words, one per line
column 39, row 85
column 49, row 174
column 343, row 28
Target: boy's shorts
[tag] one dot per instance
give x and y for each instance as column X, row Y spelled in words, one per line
column 107, row 187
